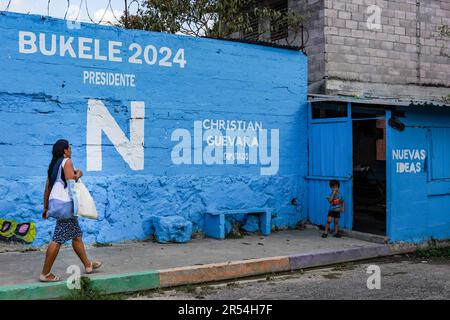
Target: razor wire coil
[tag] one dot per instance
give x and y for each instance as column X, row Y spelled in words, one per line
column 91, row 18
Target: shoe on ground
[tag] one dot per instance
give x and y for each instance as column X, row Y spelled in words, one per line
column 337, row 235
column 50, row 277
column 324, row 235
column 94, row 265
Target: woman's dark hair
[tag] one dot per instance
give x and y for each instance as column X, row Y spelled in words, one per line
column 57, row 153
column 334, row 183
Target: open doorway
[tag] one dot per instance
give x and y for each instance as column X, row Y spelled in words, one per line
column 369, row 171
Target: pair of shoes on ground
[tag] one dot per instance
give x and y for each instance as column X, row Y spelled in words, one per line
column 336, row 235
column 52, row 278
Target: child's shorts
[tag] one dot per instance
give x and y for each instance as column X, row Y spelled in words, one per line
column 334, row 214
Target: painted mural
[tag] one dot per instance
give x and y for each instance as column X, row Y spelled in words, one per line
column 162, row 125
column 13, row 231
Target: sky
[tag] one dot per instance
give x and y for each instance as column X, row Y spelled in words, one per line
column 76, row 9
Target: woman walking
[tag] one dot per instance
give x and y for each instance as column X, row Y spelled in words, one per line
column 58, row 203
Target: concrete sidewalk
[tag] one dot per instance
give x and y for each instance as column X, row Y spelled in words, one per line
column 146, row 265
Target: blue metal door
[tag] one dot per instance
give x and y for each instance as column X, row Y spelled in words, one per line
column 330, row 157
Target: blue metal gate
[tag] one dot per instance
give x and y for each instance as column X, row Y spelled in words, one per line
column 330, row 157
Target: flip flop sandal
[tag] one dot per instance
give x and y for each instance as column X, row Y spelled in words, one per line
column 94, row 265
column 45, row 278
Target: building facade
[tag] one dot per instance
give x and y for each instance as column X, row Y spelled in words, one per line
column 379, row 85
column 377, row 48
column 391, row 62
column 169, row 127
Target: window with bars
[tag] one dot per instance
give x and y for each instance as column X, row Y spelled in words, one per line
column 254, row 33
column 279, row 27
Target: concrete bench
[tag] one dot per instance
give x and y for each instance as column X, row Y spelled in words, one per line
column 215, row 221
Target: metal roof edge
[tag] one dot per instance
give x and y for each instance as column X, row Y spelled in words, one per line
column 380, row 101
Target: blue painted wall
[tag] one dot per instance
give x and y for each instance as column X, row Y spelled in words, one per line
column 43, row 98
column 419, row 197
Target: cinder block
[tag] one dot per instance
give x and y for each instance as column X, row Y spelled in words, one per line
column 344, row 15
column 349, row 24
column 357, row 33
column 400, row 14
column 330, row 13
column 400, row 31
column 350, row 7
column 337, row 40
column 345, row 32
column 405, row 39
column 339, row 23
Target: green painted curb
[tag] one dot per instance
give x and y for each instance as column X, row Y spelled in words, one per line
column 126, row 282
column 34, row 291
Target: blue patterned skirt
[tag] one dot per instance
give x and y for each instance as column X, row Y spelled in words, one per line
column 66, row 230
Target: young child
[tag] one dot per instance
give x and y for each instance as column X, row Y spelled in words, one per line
column 337, row 205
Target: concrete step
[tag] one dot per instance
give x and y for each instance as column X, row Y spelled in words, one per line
column 375, row 238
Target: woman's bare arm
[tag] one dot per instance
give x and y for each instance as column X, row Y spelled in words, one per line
column 46, row 196
column 70, row 173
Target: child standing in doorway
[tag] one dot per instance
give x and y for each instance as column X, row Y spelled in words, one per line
column 337, row 205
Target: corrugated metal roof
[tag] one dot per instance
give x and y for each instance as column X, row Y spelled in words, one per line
column 380, row 101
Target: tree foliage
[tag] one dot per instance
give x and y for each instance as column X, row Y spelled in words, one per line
column 444, row 30
column 212, row 18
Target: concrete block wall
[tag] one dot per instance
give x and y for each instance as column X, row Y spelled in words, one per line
column 315, row 38
column 406, row 57
column 44, row 98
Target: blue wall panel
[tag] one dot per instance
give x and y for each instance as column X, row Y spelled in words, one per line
column 420, row 204
column 46, row 97
column 439, row 153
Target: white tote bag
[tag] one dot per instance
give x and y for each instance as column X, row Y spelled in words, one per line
column 84, row 205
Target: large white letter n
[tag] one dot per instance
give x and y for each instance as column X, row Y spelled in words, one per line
column 99, row 119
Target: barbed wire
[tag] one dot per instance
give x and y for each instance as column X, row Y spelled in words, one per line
column 79, row 10
column 283, row 35
column 114, row 15
column 67, row 10
column 89, row 15
column 7, row 7
column 109, row 7
column 134, row 1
